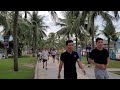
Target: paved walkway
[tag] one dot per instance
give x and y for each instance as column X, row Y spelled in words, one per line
column 52, row 72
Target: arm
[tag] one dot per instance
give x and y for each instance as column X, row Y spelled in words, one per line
column 80, row 65
column 108, row 61
column 91, row 61
column 60, row 65
column 78, row 61
column 91, row 58
column 60, row 68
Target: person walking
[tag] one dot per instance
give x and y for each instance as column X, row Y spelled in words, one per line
column 40, row 55
column 88, row 49
column 69, row 59
column 100, row 58
column 58, row 54
column 79, row 53
column 45, row 55
column 53, row 52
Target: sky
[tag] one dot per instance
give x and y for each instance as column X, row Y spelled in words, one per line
column 53, row 28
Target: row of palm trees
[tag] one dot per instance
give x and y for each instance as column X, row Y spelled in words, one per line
column 28, row 31
column 31, row 30
column 81, row 24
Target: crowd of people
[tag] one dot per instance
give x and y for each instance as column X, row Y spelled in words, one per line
column 99, row 57
column 44, row 54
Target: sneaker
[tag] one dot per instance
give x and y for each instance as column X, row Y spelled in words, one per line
column 46, row 68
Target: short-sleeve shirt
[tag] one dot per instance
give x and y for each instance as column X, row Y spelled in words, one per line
column 45, row 54
column 98, row 56
column 69, row 61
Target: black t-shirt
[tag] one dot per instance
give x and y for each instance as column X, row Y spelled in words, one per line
column 69, row 61
column 98, row 56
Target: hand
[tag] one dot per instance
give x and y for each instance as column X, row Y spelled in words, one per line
column 59, row 76
column 84, row 71
column 101, row 66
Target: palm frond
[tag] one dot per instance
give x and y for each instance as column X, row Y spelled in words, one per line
column 60, row 24
column 54, row 15
column 81, row 19
column 116, row 14
column 107, row 17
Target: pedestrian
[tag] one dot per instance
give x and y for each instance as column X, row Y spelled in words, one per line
column 53, row 52
column 100, row 58
column 45, row 55
column 79, row 53
column 58, row 54
column 40, row 55
column 69, row 59
column 88, row 49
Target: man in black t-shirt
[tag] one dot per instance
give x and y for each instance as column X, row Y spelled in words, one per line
column 69, row 59
column 100, row 58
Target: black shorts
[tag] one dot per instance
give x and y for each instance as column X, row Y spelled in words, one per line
column 53, row 56
column 44, row 60
column 38, row 55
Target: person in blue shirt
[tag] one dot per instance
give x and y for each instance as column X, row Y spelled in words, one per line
column 79, row 53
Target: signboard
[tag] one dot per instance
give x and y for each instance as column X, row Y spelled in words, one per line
column 6, row 41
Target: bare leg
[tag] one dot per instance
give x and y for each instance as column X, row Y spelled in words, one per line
column 43, row 64
column 53, row 60
column 46, row 64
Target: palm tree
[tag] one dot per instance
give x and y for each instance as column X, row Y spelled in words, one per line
column 115, row 38
column 67, row 24
column 52, row 39
column 25, row 14
column 108, row 32
column 15, row 40
column 90, row 17
column 38, row 28
column 66, row 27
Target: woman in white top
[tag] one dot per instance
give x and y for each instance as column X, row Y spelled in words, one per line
column 53, row 52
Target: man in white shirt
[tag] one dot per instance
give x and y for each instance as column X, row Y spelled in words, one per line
column 45, row 56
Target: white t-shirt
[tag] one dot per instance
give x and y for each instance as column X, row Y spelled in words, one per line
column 40, row 53
column 45, row 54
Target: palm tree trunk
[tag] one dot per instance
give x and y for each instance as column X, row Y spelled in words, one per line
column 68, row 36
column 34, row 41
column 92, row 28
column 76, row 42
column 115, row 49
column 15, row 41
column 25, row 14
column 108, row 44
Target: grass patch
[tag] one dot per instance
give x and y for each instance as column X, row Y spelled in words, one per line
column 112, row 64
column 116, row 72
column 26, row 68
column 84, row 60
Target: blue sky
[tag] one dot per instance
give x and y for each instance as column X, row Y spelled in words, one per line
column 53, row 28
